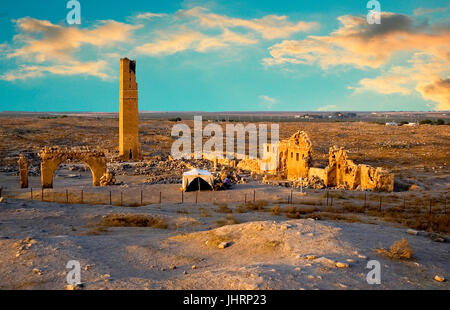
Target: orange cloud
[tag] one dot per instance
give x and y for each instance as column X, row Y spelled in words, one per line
column 97, row 69
column 42, row 47
column 438, row 91
column 187, row 39
column 358, row 44
column 44, row 41
column 189, row 25
column 269, row 26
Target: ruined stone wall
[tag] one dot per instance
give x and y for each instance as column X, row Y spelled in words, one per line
column 222, row 161
column 317, row 173
column 52, row 157
column 341, row 171
column 344, row 173
column 376, row 179
column 295, row 156
column 129, row 147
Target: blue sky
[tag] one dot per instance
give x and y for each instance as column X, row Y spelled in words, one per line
column 226, row 55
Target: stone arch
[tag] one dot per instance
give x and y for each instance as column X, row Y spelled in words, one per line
column 51, row 158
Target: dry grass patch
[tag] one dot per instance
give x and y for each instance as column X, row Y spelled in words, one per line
column 349, row 207
column 204, row 212
column 335, row 217
column 229, row 220
column 182, row 211
column 400, row 249
column 223, row 208
column 214, row 239
column 258, row 205
column 273, row 244
column 276, row 210
column 438, row 223
column 241, row 209
column 133, row 205
column 97, row 230
column 132, row 220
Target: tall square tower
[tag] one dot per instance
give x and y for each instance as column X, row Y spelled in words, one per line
column 129, row 147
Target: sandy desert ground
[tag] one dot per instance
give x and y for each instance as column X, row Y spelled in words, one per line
column 174, row 245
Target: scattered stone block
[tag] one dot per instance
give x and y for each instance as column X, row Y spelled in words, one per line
column 224, row 245
column 439, row 278
column 74, row 287
column 342, row 265
column 412, row 232
column 362, row 256
column 325, row 261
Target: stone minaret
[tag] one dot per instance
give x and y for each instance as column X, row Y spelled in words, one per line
column 129, row 147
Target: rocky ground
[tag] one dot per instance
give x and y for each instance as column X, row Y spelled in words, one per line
column 263, row 251
column 270, row 243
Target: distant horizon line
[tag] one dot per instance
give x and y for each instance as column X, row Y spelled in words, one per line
column 227, row 112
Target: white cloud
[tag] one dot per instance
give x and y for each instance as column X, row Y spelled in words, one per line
column 330, row 107
column 187, row 32
column 267, row 101
column 269, row 27
column 424, row 11
column 186, row 39
column 97, row 68
column 149, row 15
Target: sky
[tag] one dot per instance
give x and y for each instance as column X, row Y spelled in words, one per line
column 248, row 55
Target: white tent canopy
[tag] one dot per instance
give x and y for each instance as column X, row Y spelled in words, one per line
column 196, row 178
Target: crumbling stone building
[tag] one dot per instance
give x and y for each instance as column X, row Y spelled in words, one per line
column 295, row 161
column 293, row 158
column 129, row 147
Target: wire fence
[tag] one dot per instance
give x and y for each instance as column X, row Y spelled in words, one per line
column 327, row 200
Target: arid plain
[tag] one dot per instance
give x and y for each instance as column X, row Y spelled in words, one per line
column 143, row 233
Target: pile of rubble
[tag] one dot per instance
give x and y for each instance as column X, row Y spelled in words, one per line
column 107, row 179
column 156, row 166
column 312, row 182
